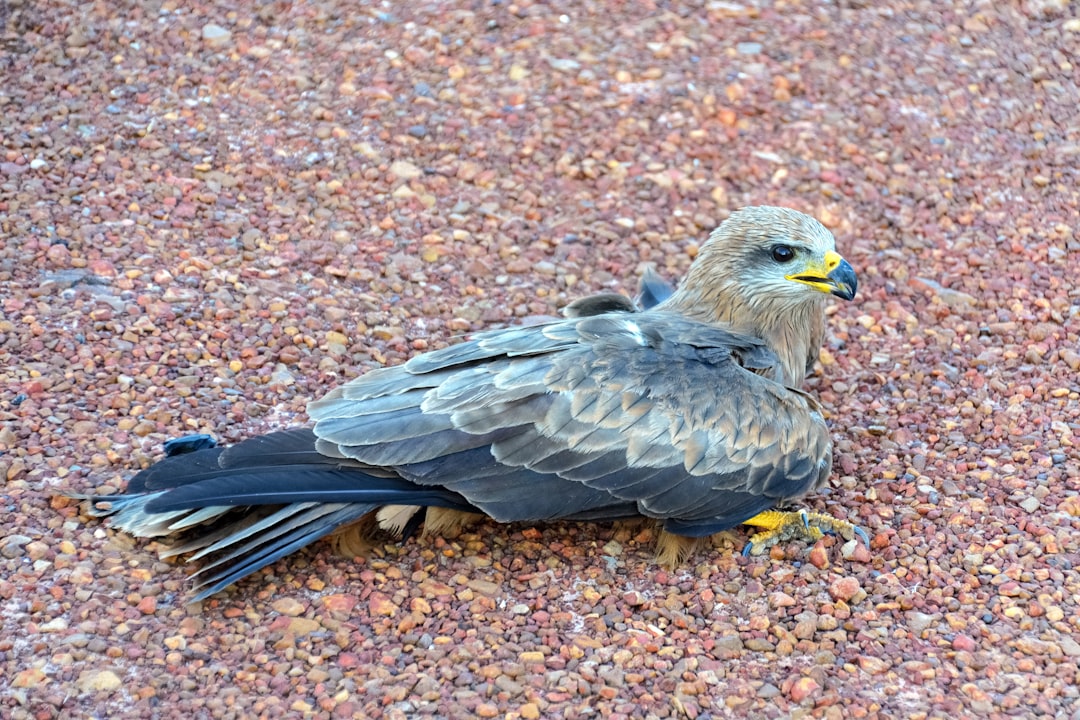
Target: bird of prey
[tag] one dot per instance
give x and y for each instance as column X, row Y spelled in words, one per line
column 687, row 412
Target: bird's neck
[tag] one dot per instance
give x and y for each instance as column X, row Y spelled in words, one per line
column 793, row 331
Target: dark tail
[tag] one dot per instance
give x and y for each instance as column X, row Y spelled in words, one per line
column 251, row 504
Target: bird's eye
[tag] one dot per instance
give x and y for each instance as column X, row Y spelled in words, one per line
column 783, row 253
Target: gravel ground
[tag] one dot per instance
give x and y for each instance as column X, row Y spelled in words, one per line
column 209, row 216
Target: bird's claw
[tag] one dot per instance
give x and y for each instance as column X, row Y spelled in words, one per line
column 780, row 526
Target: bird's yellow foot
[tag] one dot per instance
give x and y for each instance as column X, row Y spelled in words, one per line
column 783, row 526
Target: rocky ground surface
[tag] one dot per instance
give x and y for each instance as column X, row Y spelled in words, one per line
column 210, row 215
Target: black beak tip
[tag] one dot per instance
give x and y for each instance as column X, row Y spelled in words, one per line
column 844, row 280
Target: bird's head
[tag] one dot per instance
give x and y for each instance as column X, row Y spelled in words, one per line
column 766, row 272
column 773, row 256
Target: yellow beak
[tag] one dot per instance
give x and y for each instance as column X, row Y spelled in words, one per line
column 832, row 275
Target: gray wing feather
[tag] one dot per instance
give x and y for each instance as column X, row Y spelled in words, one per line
column 375, row 428
column 587, row 413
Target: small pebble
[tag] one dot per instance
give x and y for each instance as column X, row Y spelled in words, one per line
column 216, row 36
column 846, row 589
column 13, row 546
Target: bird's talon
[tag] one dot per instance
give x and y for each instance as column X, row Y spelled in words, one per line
column 780, row 526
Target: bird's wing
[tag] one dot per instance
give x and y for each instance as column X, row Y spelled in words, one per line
column 598, row 305
column 652, row 290
column 598, row 416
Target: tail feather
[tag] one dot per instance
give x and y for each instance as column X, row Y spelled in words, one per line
column 265, row 528
column 128, row 512
column 286, row 523
column 245, row 506
column 175, row 470
column 294, row 447
column 199, row 517
column 298, row 484
column 301, row 531
column 197, row 540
